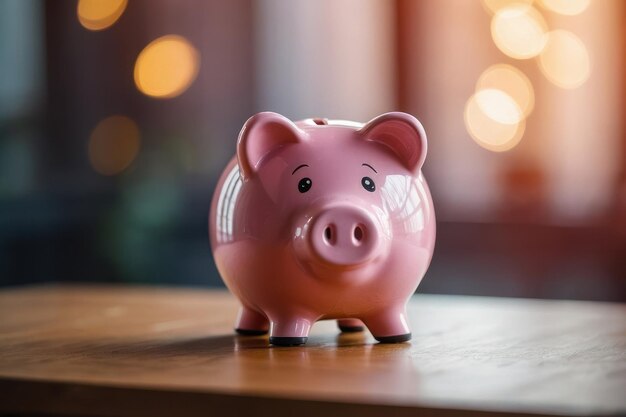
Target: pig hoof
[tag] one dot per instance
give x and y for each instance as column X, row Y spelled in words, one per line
column 351, row 329
column 287, row 341
column 251, row 332
column 394, row 339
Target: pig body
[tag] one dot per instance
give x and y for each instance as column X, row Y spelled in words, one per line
column 324, row 220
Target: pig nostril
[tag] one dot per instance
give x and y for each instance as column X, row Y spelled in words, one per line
column 358, row 234
column 328, row 235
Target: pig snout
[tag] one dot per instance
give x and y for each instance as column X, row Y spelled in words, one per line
column 344, row 236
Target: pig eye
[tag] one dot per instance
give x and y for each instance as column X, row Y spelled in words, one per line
column 368, row 184
column 305, row 185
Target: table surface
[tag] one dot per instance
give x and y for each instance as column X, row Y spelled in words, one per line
column 122, row 351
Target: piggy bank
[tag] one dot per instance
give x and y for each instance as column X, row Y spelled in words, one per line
column 324, row 219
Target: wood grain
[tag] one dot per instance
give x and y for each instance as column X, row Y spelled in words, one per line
column 127, row 351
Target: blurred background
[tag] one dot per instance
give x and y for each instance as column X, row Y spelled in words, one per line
column 117, row 117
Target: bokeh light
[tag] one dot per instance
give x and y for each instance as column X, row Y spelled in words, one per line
column 519, row 31
column 565, row 60
column 498, row 106
column 99, row 14
column 494, row 5
column 489, row 133
column 113, row 145
column 566, row 7
column 511, row 81
column 166, row 67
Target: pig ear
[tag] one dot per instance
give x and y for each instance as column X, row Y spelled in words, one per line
column 261, row 134
column 402, row 133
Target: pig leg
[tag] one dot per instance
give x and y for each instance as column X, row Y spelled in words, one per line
column 251, row 323
column 389, row 326
column 290, row 331
column 350, row 325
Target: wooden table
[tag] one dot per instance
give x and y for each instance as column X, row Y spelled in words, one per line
column 145, row 351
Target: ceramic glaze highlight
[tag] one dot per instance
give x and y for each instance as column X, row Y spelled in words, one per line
column 324, row 219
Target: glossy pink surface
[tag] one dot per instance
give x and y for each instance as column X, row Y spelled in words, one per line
column 324, row 219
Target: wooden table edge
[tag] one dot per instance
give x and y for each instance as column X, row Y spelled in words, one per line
column 28, row 396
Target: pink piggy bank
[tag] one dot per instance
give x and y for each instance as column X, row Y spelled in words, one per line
column 324, row 219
